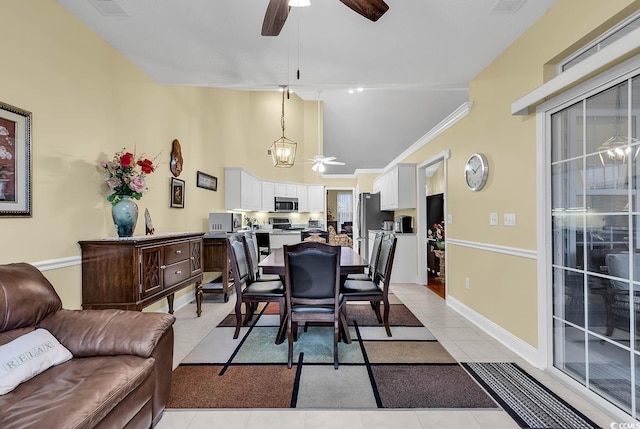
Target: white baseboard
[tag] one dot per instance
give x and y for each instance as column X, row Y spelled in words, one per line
column 515, row 344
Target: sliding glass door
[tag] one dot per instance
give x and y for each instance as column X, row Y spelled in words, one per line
column 595, row 236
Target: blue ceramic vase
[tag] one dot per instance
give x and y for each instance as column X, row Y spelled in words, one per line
column 125, row 216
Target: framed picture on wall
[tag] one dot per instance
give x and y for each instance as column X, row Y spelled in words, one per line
column 15, row 161
column 207, row 181
column 177, row 193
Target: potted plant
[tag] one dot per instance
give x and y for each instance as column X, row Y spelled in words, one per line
column 436, row 234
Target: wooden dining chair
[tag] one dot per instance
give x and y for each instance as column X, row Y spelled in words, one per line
column 254, row 258
column 376, row 290
column 248, row 291
column 373, row 261
column 263, row 240
column 312, row 283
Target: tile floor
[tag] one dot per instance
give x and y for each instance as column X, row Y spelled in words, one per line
column 462, row 339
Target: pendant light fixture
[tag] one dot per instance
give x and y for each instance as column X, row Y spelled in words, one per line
column 283, row 150
column 618, row 146
column 614, row 153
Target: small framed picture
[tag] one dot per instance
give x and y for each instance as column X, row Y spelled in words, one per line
column 207, row 181
column 177, row 193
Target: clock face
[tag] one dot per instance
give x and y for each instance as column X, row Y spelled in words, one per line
column 476, row 172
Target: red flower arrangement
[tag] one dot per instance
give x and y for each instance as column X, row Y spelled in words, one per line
column 123, row 176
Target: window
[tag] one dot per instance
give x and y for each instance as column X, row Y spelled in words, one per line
column 345, row 211
column 620, row 30
column 595, row 236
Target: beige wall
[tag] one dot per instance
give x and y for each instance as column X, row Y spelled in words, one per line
column 88, row 101
column 503, row 288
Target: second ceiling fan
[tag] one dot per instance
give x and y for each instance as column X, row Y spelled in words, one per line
column 278, row 11
column 320, row 161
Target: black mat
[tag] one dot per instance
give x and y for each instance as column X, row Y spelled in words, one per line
column 528, row 402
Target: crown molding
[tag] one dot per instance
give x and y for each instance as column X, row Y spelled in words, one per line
column 446, row 123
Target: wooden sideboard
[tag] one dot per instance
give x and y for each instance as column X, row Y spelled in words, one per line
column 132, row 273
column 216, row 259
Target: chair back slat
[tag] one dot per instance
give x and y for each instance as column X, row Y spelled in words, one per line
column 375, row 254
column 385, row 262
column 252, row 251
column 238, row 259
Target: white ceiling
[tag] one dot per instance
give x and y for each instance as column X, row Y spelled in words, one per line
column 414, row 64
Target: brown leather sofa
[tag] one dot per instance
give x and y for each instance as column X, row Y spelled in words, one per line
column 120, row 373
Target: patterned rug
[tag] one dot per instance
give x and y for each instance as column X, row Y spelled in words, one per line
column 527, row 401
column 409, row 370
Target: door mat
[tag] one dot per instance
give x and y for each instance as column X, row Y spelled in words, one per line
column 528, row 402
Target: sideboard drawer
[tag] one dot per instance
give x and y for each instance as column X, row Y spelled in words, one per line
column 174, row 274
column 176, row 253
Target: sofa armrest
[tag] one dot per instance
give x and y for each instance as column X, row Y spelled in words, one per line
column 108, row 332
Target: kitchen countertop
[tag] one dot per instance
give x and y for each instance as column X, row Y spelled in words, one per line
column 283, row 232
column 396, row 233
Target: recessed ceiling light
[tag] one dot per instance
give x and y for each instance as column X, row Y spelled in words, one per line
column 360, row 89
column 351, row 91
column 109, row 8
column 506, row 6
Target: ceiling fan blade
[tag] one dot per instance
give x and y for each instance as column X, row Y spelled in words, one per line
column 315, row 167
column 275, row 17
column 329, row 158
column 334, row 163
column 370, row 9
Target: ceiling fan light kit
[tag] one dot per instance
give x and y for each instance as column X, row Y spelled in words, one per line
column 299, row 3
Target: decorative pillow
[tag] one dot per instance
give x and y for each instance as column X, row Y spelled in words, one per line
column 27, row 356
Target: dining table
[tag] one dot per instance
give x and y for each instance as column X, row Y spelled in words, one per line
column 350, row 262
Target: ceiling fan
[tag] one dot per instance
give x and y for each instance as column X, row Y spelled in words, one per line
column 320, row 161
column 278, row 10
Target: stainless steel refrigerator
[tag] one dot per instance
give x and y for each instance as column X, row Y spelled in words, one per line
column 370, row 217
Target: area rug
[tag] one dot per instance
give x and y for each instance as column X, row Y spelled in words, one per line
column 527, row 401
column 409, row 370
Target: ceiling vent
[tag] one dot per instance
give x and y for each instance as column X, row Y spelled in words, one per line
column 506, row 6
column 109, row 7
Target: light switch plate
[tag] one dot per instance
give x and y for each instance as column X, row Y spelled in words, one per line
column 509, row 219
column 493, row 219
column 449, row 218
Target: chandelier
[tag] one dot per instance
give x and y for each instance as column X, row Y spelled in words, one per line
column 283, row 150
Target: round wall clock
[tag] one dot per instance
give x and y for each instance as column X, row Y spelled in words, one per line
column 176, row 158
column 476, row 171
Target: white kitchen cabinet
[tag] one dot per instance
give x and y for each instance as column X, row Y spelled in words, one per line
column 405, row 262
column 302, row 191
column 316, row 198
column 277, row 240
column 268, row 196
column 286, row 190
column 397, row 188
column 242, row 190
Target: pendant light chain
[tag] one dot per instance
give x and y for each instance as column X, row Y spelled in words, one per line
column 282, row 117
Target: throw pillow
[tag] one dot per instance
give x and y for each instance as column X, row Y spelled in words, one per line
column 27, row 356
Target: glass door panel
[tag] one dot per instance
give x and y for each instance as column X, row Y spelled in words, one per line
column 595, row 220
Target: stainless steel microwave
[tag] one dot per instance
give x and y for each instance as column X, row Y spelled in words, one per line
column 286, row 205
